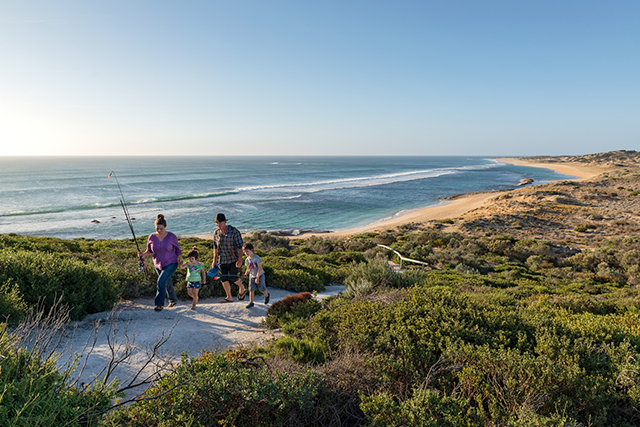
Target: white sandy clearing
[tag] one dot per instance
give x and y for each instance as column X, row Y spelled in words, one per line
column 212, row 326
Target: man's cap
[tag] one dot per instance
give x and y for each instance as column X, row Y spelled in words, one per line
column 220, row 218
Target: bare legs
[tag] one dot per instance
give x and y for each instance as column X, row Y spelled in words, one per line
column 227, row 290
column 193, row 293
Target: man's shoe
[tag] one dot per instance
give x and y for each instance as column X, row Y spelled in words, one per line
column 249, row 305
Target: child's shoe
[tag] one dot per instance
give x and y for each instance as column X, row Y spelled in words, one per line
column 266, row 298
column 249, row 305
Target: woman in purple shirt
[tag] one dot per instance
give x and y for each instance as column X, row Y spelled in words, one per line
column 164, row 247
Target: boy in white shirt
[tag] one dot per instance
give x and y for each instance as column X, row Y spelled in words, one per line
column 256, row 274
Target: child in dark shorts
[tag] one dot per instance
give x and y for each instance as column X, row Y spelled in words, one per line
column 196, row 275
column 255, row 273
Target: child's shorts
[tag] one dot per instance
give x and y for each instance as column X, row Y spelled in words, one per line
column 193, row 285
column 262, row 285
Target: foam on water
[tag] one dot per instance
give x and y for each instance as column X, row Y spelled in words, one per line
column 62, row 196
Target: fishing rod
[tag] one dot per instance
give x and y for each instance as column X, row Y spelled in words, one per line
column 142, row 267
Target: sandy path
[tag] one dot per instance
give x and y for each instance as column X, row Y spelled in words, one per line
column 212, row 326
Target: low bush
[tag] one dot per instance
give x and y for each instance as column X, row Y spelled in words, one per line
column 36, row 392
column 300, row 350
column 298, row 306
column 86, row 287
column 12, row 306
column 375, row 272
column 218, row 389
column 490, row 355
column 266, row 242
column 307, row 272
column 297, row 280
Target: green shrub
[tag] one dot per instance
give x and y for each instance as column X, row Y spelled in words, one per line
column 297, row 280
column 12, row 306
column 291, row 308
column 217, row 389
column 85, row 287
column 357, row 287
column 427, row 408
column 376, row 272
column 267, row 242
column 35, row 392
column 307, row 272
column 500, row 350
column 281, row 252
column 301, row 350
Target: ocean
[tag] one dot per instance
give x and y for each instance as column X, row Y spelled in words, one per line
column 72, row 197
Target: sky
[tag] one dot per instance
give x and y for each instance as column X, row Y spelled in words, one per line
column 279, row 77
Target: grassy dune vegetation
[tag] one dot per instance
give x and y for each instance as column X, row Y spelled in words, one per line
column 504, row 328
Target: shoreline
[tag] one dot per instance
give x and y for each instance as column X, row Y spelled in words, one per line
column 460, row 204
column 452, row 207
column 574, row 169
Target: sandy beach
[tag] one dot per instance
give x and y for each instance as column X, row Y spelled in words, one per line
column 575, row 169
column 464, row 203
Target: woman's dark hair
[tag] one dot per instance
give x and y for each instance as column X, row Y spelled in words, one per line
column 160, row 220
column 193, row 253
column 247, row 246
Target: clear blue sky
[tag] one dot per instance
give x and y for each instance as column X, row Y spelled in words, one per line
column 272, row 77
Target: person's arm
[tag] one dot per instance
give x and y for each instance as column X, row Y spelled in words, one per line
column 203, row 274
column 149, row 250
column 215, row 258
column 258, row 273
column 178, row 251
column 239, row 260
column 238, row 242
column 214, row 244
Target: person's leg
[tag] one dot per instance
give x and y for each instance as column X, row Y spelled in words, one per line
column 233, row 274
column 171, row 292
column 262, row 286
column 227, row 290
column 190, row 291
column 160, row 288
column 241, row 289
column 195, row 298
column 252, row 291
column 224, row 274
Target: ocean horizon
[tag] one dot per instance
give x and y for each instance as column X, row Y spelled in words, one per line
column 72, row 197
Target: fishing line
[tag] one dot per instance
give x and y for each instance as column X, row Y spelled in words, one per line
column 142, row 268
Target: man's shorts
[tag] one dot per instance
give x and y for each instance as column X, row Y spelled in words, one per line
column 228, row 272
column 193, row 285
